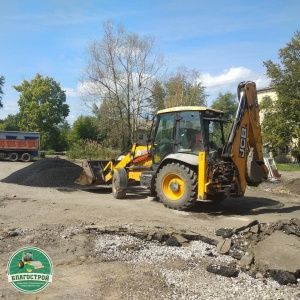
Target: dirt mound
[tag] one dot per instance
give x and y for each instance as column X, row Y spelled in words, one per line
column 293, row 186
column 48, row 172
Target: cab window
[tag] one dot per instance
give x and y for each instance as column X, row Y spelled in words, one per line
column 190, row 133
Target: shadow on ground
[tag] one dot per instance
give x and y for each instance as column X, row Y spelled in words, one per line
column 245, row 206
column 133, row 193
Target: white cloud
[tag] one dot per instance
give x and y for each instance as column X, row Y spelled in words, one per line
column 228, row 80
column 87, row 88
column 263, row 82
column 70, row 92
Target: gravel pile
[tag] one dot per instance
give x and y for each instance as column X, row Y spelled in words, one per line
column 188, row 279
column 125, row 249
column 48, row 172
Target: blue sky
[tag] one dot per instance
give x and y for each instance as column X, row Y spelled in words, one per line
column 226, row 41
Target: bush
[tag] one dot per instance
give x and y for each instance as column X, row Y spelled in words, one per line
column 50, row 152
column 282, row 158
column 92, row 150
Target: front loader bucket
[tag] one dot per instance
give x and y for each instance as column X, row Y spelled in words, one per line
column 84, row 179
column 92, row 173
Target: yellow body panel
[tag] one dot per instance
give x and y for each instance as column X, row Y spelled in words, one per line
column 202, row 166
column 131, row 161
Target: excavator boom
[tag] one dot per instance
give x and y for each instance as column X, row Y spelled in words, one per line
column 244, row 143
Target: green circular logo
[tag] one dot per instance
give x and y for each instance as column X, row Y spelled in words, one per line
column 30, row 270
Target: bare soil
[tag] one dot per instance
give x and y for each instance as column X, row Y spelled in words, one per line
column 55, row 220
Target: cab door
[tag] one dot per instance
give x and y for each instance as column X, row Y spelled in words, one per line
column 163, row 140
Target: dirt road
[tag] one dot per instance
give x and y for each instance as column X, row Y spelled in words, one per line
column 88, row 265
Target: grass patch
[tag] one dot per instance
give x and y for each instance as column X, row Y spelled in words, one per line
column 288, row 167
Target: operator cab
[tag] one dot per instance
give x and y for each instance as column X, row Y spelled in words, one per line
column 187, row 129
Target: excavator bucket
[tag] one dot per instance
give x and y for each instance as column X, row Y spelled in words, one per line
column 255, row 172
column 92, row 173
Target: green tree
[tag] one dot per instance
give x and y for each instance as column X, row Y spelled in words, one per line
column 183, row 88
column 11, row 122
column 158, row 96
column 282, row 117
column 85, row 128
column 65, row 140
column 2, row 81
column 110, row 126
column 276, row 131
column 43, row 108
column 228, row 104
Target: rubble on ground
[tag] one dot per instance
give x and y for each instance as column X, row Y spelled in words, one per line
column 223, row 270
column 241, row 243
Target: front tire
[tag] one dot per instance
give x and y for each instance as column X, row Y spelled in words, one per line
column 176, row 186
column 119, row 183
column 21, row 264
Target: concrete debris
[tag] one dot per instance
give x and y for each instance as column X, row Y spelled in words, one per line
column 222, row 270
column 249, row 225
column 242, row 243
column 247, row 260
column 170, row 238
column 173, row 242
column 224, row 232
column 223, row 247
column 282, row 277
column 179, row 238
column 258, row 246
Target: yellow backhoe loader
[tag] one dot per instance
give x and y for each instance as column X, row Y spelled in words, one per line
column 29, row 263
column 188, row 158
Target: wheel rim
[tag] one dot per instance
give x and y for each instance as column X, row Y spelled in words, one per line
column 173, row 186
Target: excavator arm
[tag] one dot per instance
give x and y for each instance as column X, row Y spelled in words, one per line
column 244, row 144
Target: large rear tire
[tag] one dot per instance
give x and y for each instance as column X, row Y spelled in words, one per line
column 176, row 186
column 14, row 156
column 26, row 157
column 119, row 183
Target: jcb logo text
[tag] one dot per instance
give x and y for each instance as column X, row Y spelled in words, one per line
column 243, row 142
